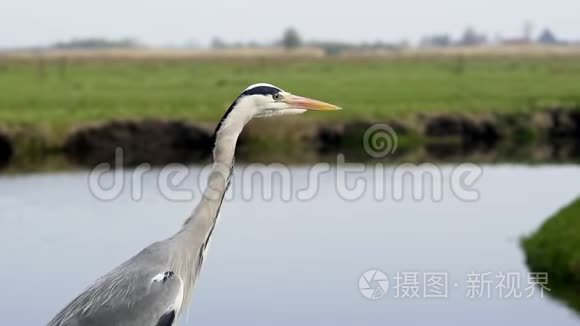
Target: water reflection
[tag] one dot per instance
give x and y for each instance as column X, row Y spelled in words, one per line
column 560, row 151
column 285, row 262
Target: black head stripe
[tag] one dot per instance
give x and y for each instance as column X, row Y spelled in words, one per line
column 262, row 90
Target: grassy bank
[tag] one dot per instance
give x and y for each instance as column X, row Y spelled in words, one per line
column 555, row 248
column 61, row 92
column 43, row 99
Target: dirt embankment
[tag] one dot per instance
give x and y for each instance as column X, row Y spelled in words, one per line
column 6, row 149
column 549, row 135
column 539, row 136
column 151, row 141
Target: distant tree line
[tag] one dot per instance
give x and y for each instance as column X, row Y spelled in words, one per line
column 291, row 39
column 471, row 37
column 97, row 43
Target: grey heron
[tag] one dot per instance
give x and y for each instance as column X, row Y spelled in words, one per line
column 153, row 287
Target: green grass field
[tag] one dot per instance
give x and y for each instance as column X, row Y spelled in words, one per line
column 57, row 92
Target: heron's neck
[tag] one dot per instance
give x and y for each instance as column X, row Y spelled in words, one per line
column 226, row 137
column 196, row 232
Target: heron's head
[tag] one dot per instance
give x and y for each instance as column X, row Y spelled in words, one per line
column 265, row 100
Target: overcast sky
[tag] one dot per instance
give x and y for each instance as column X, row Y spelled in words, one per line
column 38, row 22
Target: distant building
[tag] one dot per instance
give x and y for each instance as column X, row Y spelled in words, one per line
column 436, row 41
column 528, row 31
column 218, row 43
column 525, row 38
column 516, row 41
column 472, row 38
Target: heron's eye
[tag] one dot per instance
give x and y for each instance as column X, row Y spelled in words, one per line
column 277, row 97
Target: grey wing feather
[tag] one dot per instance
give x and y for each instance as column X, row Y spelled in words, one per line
column 141, row 292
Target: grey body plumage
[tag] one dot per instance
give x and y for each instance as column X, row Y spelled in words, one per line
column 154, row 287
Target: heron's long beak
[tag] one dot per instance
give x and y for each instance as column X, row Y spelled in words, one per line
column 305, row 103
